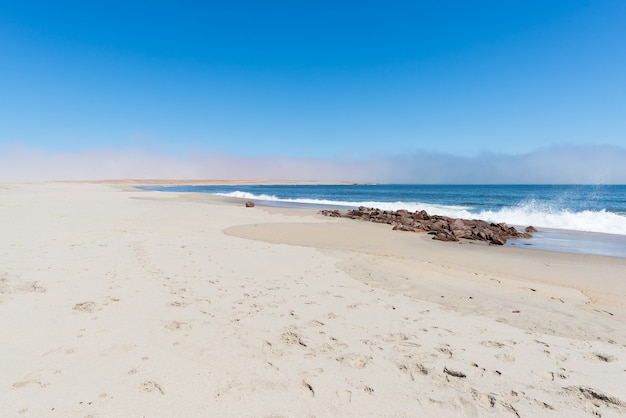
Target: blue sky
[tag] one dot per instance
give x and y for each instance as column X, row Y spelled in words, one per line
column 312, row 85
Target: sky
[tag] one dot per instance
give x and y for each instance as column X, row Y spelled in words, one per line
column 414, row 92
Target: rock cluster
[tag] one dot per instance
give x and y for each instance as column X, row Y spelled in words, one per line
column 441, row 227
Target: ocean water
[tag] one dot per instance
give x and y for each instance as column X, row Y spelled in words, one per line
column 587, row 219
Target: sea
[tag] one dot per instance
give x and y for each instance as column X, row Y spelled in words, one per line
column 586, row 219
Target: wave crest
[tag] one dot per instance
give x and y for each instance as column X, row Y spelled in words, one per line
column 540, row 215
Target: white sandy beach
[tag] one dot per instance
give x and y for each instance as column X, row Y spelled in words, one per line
column 120, row 302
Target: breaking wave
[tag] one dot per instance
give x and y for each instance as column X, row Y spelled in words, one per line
column 542, row 215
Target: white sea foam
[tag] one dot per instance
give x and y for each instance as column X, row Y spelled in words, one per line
column 588, row 220
column 527, row 213
column 452, row 211
column 246, row 195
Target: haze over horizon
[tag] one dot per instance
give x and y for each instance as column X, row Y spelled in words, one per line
column 412, row 92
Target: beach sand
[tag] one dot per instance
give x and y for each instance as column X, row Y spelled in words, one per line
column 120, row 302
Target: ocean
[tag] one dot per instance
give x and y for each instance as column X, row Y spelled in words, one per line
column 588, row 219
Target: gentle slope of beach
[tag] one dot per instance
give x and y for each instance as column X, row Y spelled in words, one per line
column 120, row 302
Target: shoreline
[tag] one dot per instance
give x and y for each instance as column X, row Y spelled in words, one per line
column 329, row 234
column 575, row 242
column 546, row 239
column 118, row 301
column 159, row 182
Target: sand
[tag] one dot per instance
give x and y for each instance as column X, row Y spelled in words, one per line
column 120, row 302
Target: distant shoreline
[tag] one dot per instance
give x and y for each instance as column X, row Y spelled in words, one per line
column 206, row 182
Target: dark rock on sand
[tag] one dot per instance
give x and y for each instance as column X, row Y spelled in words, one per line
column 441, row 227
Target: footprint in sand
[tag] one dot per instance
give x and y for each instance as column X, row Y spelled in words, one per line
column 596, row 397
column 358, row 361
column 306, row 386
column 345, row 396
column 292, row 338
column 30, row 287
column 177, row 325
column 490, row 343
column 151, row 386
column 85, row 307
column 413, row 369
column 30, row 382
column 36, row 379
column 371, row 343
column 333, row 345
column 444, row 350
column 506, row 357
column 605, row 357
